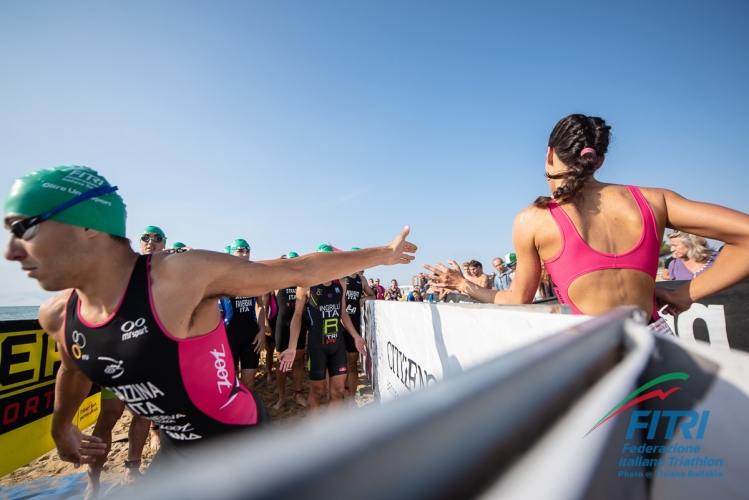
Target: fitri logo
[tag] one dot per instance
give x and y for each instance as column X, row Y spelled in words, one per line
column 114, row 369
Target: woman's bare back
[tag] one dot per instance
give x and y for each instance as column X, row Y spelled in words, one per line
column 608, row 220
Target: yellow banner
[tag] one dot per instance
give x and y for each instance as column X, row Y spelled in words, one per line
column 29, row 361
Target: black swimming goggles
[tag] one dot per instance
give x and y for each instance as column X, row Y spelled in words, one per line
column 156, row 238
column 25, row 229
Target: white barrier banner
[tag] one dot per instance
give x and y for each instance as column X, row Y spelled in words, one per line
column 413, row 345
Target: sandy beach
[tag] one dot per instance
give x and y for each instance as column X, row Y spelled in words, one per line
column 50, row 465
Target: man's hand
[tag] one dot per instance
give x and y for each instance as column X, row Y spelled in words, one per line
column 676, row 301
column 444, row 277
column 79, row 448
column 259, row 341
column 361, row 346
column 400, row 248
column 286, row 359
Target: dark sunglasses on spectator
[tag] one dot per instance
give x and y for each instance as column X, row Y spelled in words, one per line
column 25, row 229
column 156, row 238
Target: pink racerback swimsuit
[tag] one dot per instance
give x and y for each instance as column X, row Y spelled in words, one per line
column 577, row 258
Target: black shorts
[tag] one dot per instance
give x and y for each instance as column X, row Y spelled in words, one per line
column 243, row 350
column 283, row 334
column 331, row 359
column 349, row 340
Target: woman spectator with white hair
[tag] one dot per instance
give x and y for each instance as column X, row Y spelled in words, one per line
column 692, row 255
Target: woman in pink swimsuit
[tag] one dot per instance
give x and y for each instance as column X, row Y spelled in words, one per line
column 600, row 242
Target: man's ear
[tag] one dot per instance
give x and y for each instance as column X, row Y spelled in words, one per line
column 91, row 233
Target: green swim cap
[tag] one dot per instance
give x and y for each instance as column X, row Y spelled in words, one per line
column 325, row 248
column 239, row 243
column 292, row 255
column 227, row 249
column 353, row 249
column 178, row 244
column 154, row 229
column 41, row 191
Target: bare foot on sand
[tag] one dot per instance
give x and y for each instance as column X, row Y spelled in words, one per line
column 279, row 404
column 299, row 399
column 130, row 476
column 155, row 439
column 92, row 489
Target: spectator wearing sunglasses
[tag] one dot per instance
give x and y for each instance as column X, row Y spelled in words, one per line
column 152, row 239
column 123, row 319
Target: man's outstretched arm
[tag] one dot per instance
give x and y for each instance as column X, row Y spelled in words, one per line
column 221, row 274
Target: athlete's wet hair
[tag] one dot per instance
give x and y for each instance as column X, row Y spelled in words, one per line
column 572, row 135
column 475, row 263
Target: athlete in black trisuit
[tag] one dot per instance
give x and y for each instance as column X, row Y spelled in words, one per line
column 324, row 305
column 145, row 327
column 356, row 284
column 246, row 329
column 152, row 239
column 286, row 299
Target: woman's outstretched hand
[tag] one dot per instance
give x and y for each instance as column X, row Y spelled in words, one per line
column 444, row 277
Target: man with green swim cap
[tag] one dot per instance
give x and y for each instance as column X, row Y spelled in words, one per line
column 127, row 314
column 247, row 328
column 292, row 255
column 324, row 305
column 152, row 239
column 356, row 288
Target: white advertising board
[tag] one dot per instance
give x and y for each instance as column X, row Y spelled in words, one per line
column 413, row 345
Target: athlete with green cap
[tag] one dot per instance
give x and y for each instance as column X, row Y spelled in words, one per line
column 324, row 304
column 122, row 319
column 152, row 239
column 286, row 300
column 246, row 329
column 356, row 285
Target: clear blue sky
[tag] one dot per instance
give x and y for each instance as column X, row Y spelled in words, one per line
column 291, row 124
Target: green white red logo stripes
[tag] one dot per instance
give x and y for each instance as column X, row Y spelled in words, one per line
column 633, row 398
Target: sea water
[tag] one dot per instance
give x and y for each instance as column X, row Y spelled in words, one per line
column 18, row 312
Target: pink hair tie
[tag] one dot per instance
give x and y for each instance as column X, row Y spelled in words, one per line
column 587, row 150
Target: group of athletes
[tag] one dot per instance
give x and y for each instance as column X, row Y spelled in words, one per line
column 146, row 327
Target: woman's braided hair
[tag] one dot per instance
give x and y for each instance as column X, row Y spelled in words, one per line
column 570, row 137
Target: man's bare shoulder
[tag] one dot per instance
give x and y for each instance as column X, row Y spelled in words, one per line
column 52, row 313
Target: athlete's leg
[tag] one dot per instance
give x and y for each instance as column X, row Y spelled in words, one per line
column 353, row 373
column 111, row 411
column 155, row 436
column 248, row 378
column 297, row 371
column 270, row 343
column 249, row 360
column 281, row 383
column 336, row 392
column 337, row 368
column 316, row 388
column 136, row 438
column 318, row 371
